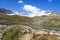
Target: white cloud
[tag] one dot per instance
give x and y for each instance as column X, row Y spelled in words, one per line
column 30, row 8
column 50, row 0
column 20, row 1
column 33, row 11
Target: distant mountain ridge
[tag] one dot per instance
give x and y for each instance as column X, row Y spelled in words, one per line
column 5, row 11
column 53, row 19
column 10, row 12
column 52, row 13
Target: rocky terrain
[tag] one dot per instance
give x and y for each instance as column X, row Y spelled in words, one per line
column 17, row 27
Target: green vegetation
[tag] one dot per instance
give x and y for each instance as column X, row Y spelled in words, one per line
column 15, row 19
column 38, row 22
column 48, row 22
column 34, row 22
column 12, row 34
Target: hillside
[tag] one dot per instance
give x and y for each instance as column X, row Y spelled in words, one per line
column 46, row 21
column 53, row 19
column 35, row 22
column 20, row 27
column 14, row 20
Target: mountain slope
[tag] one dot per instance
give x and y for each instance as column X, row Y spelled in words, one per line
column 46, row 22
column 15, row 19
column 51, row 20
column 35, row 22
column 5, row 11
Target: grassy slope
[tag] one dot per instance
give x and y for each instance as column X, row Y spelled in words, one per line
column 5, row 19
column 47, row 21
column 12, row 34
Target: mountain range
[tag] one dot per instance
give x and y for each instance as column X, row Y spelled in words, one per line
column 51, row 19
column 5, row 11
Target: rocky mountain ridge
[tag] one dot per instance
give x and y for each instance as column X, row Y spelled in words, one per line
column 52, row 19
column 5, row 11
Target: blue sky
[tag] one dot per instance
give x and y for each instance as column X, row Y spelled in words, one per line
column 18, row 5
